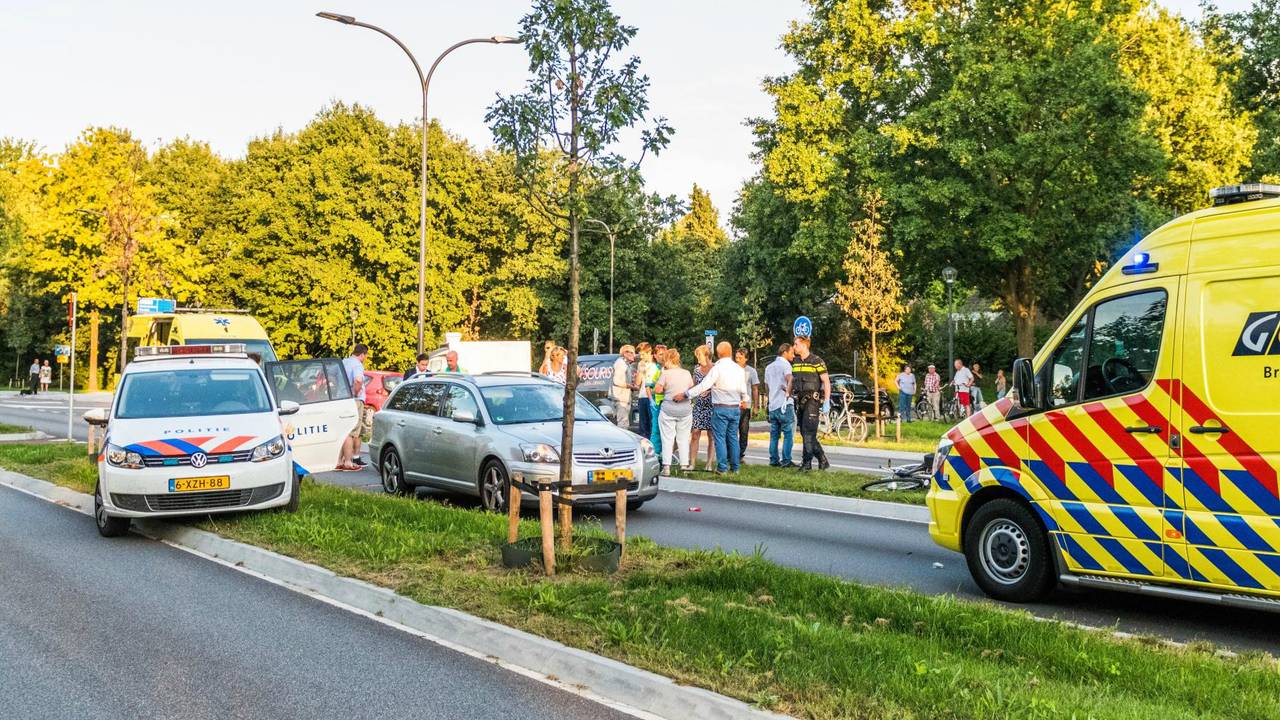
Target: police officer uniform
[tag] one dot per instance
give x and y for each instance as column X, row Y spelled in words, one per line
column 806, row 388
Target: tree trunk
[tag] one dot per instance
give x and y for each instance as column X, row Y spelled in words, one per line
column 571, row 372
column 93, row 351
column 875, row 381
column 1021, row 300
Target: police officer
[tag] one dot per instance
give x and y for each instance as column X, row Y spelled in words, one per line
column 811, row 388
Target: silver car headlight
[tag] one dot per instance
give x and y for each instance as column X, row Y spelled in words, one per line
column 540, row 453
column 121, row 458
column 647, row 447
column 268, row 450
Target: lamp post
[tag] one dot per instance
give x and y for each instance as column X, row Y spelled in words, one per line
column 608, row 231
column 424, row 81
column 949, row 277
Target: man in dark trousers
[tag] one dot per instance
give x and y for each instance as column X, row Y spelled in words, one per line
column 33, row 382
column 811, row 387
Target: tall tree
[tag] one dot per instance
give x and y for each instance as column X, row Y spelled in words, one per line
column 1189, row 110
column 872, row 295
column 565, row 125
column 1250, row 41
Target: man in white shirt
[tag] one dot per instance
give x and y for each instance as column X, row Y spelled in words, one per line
column 782, row 411
column 963, row 381
column 354, row 368
column 620, row 387
column 728, row 386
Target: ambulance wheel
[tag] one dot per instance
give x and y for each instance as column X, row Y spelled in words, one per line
column 108, row 526
column 1008, row 552
column 295, row 494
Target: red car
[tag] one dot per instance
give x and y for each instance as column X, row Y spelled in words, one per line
column 378, row 384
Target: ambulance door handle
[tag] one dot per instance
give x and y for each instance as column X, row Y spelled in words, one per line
column 1145, row 429
column 1207, row 429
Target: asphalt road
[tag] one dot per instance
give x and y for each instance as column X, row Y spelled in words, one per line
column 882, row 552
column 132, row 628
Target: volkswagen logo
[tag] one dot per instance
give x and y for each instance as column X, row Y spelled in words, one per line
column 199, row 460
column 606, row 453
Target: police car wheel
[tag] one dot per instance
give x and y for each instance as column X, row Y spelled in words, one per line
column 392, row 472
column 1008, row 552
column 295, row 493
column 108, row 526
column 494, row 486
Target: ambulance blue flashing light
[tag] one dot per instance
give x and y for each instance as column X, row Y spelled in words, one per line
column 1141, row 265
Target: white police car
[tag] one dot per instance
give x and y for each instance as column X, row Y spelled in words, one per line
column 199, row 429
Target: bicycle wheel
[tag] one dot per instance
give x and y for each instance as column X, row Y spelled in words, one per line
column 924, row 410
column 856, row 429
column 894, row 484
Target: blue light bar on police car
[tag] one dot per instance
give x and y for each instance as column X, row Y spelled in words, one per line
column 155, row 351
column 1244, row 192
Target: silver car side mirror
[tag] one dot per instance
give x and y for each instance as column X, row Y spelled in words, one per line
column 465, row 416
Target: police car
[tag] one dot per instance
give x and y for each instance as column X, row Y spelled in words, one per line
column 199, row 429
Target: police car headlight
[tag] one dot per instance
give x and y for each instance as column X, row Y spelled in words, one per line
column 540, row 453
column 647, row 448
column 268, row 450
column 119, row 457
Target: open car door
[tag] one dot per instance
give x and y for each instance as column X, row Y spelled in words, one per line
column 328, row 413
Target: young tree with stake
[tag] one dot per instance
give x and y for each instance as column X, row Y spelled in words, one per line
column 873, row 294
column 564, row 127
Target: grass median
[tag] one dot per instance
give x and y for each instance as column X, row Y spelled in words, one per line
column 921, row 436
column 840, row 483
column 795, row 642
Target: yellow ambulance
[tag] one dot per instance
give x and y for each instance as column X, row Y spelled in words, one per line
column 1140, row 449
column 199, row 326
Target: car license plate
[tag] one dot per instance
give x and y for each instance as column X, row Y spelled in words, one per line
column 196, row 484
column 608, row 476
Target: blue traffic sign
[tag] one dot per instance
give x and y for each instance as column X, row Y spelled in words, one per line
column 155, row 306
column 803, row 327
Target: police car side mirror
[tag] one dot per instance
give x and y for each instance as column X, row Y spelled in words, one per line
column 96, row 417
column 288, row 407
column 1024, row 385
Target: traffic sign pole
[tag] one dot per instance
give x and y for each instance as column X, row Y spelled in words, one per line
column 71, row 386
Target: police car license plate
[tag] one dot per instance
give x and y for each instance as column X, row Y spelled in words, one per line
column 196, row 484
column 608, row 476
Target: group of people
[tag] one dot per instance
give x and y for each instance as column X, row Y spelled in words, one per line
column 677, row 406
column 39, row 376
column 965, row 380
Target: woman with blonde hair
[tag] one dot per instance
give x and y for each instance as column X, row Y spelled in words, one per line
column 558, row 365
column 702, row 409
column 675, row 417
column 644, row 367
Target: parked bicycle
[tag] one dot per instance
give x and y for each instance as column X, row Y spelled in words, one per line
column 843, row 423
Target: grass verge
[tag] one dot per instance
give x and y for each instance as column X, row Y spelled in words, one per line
column 795, row 642
column 921, row 436
column 840, row 483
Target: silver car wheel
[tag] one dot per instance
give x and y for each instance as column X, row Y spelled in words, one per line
column 491, row 488
column 1005, row 551
column 391, row 473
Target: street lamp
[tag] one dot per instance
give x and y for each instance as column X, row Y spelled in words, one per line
column 425, row 83
column 949, row 277
column 609, row 231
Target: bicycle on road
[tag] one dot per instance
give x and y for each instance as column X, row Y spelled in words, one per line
column 843, row 423
column 907, row 477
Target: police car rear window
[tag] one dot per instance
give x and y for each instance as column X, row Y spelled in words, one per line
column 191, row 393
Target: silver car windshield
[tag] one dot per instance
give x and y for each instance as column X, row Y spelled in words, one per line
column 533, row 403
column 186, row 393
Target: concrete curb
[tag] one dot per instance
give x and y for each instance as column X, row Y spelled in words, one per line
column 790, row 498
column 24, row 437
column 633, row 689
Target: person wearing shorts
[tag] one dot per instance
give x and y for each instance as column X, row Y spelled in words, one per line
column 350, row 459
column 962, row 380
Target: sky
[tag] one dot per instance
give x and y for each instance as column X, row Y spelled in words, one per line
column 230, row 71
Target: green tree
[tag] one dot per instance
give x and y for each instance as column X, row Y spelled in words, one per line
column 872, row 295
column 1189, row 109
column 1250, row 42
column 575, row 106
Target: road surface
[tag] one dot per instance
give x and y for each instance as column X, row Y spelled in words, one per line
column 881, row 552
column 129, row 627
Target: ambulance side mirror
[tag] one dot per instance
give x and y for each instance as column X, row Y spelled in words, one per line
column 1024, row 384
column 96, row 417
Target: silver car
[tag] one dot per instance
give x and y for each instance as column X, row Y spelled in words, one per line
column 468, row 434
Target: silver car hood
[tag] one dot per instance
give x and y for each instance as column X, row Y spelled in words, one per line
column 586, row 435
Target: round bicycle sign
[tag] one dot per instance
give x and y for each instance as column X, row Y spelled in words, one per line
column 803, row 327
